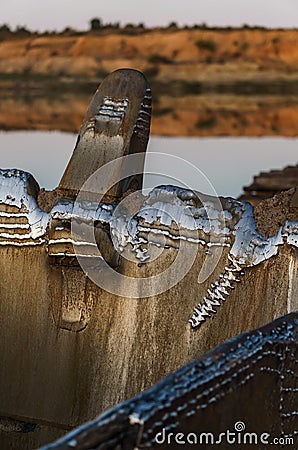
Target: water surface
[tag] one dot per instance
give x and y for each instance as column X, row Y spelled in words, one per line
column 229, row 163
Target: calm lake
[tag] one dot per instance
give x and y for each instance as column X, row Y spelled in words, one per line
column 228, row 163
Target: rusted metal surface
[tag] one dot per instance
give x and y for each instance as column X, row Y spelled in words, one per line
column 116, row 124
column 247, row 385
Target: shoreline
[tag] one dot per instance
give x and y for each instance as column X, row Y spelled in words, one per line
column 205, row 114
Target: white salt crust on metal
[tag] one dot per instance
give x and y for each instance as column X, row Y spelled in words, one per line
column 112, row 109
column 22, row 222
column 168, row 214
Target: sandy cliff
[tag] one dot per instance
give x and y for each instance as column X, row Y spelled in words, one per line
column 204, row 55
column 42, row 77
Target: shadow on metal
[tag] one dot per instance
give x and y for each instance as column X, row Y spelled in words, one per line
column 242, row 392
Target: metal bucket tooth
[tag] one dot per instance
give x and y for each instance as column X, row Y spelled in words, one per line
column 116, row 124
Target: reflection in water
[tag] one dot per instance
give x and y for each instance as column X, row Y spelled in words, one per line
column 192, row 115
column 229, row 163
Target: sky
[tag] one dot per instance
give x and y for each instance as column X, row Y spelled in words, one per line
column 41, row 15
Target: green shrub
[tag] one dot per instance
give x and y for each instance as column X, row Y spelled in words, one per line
column 159, row 59
column 244, row 46
column 209, row 122
column 206, row 45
